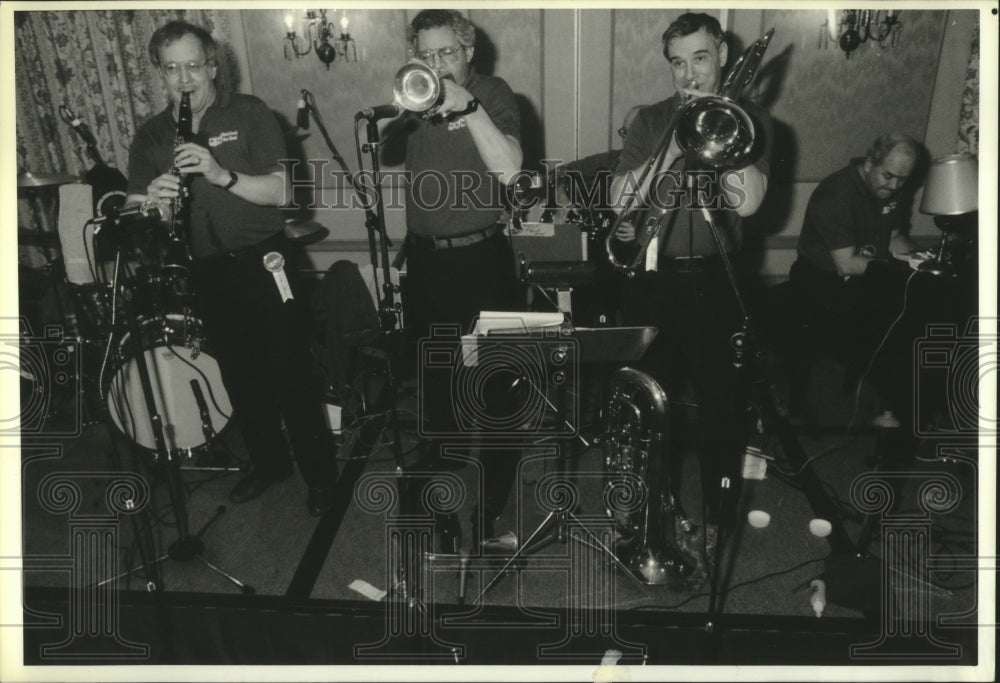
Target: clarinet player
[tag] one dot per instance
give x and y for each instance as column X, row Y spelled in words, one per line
column 240, row 271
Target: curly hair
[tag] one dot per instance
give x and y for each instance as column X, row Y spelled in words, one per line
column 175, row 30
column 689, row 23
column 464, row 29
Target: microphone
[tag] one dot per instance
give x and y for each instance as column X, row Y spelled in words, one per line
column 382, row 111
column 139, row 212
column 79, row 126
column 302, row 116
column 206, row 420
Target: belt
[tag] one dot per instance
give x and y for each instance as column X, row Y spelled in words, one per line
column 274, row 242
column 458, row 240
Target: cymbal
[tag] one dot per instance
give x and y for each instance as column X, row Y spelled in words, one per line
column 304, row 232
column 29, row 179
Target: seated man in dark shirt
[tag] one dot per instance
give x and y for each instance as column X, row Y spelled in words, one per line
column 856, row 217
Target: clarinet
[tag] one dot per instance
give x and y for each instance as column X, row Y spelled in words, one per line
column 178, row 256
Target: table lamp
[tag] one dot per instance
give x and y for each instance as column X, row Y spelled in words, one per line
column 952, row 190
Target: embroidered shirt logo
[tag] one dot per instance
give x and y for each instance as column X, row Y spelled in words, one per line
column 456, row 124
column 889, row 208
column 228, row 136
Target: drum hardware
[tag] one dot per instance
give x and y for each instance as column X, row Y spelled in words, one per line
column 172, row 346
column 138, row 377
column 109, row 185
column 29, row 179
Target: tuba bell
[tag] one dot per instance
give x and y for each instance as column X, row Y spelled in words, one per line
column 417, row 88
column 637, row 488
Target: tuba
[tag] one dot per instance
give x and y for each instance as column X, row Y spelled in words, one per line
column 417, row 88
column 638, row 476
column 713, row 131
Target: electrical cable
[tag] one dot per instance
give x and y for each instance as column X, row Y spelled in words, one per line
column 885, row 337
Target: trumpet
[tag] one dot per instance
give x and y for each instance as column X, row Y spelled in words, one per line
column 714, row 131
column 417, row 88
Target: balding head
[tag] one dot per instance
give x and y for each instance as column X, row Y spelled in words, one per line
column 889, row 163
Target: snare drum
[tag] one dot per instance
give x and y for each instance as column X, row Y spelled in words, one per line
column 176, row 356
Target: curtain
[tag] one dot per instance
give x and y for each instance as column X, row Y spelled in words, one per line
column 968, row 116
column 96, row 63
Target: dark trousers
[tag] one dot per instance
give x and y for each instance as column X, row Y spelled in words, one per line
column 876, row 322
column 449, row 288
column 697, row 314
column 261, row 345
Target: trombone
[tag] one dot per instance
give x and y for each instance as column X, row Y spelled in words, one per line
column 712, row 130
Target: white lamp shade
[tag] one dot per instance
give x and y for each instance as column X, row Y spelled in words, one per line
column 952, row 186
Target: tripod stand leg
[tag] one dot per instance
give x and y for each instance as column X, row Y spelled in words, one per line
column 597, row 545
column 513, row 558
column 143, row 534
column 151, row 585
column 247, row 590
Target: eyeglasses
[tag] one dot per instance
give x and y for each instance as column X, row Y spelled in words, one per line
column 173, row 70
column 622, row 132
column 445, row 54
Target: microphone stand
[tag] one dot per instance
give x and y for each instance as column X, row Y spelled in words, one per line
column 389, row 309
column 187, row 546
column 753, row 394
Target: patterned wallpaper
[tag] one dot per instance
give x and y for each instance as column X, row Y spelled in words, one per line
column 826, row 107
column 508, row 45
column 835, row 106
column 340, row 92
column 640, row 71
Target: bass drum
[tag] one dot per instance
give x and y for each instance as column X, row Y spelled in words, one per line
column 178, row 360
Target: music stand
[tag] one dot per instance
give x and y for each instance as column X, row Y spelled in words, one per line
column 595, row 345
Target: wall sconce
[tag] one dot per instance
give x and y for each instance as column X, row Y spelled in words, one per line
column 320, row 33
column 292, row 41
column 855, row 27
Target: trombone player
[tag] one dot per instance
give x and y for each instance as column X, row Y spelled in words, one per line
column 680, row 285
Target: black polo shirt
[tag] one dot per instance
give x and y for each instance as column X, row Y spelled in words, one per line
column 243, row 136
column 449, row 191
column 843, row 212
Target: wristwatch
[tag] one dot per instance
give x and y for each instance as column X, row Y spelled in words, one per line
column 472, row 106
column 232, row 180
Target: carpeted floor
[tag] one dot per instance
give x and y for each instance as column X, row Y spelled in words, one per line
column 272, row 545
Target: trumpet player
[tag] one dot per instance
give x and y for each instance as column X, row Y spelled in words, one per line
column 681, row 285
column 235, row 186
column 460, row 262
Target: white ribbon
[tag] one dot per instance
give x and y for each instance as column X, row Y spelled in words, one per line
column 275, row 263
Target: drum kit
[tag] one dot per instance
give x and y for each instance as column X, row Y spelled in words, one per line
column 190, row 398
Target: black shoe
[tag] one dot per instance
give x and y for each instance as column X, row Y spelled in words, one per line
column 254, row 484
column 320, row 501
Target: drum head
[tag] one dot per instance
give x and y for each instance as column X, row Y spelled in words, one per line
column 172, row 369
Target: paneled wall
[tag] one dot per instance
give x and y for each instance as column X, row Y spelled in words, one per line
column 576, row 73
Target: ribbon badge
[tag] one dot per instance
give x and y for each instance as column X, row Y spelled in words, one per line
column 275, row 263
